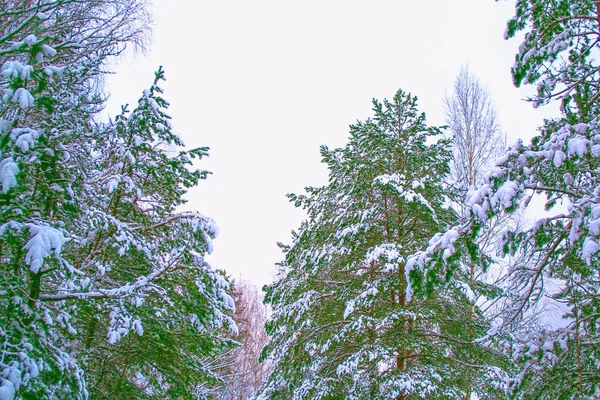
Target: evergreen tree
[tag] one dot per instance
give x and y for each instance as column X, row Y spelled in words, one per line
column 341, row 324
column 559, row 253
column 133, row 229
column 92, row 248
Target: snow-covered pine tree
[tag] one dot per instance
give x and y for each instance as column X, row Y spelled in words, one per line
column 560, row 252
column 131, row 229
column 90, row 240
column 46, row 103
column 341, row 326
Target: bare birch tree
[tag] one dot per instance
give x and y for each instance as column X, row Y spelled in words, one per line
column 478, row 141
column 473, row 123
column 245, row 374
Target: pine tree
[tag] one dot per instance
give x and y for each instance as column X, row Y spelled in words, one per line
column 132, row 228
column 92, row 248
column 341, row 324
column 46, row 103
column 559, row 253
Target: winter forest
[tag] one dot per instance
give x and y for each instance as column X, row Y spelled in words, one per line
column 437, row 262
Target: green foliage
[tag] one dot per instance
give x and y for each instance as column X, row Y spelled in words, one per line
column 341, row 324
column 556, row 258
column 103, row 284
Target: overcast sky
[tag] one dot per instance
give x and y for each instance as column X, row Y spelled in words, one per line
column 264, row 83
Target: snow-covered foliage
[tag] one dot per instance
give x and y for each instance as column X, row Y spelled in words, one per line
column 341, row 326
column 559, row 255
column 102, row 280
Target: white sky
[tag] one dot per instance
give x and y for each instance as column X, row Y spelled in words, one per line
column 265, row 83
